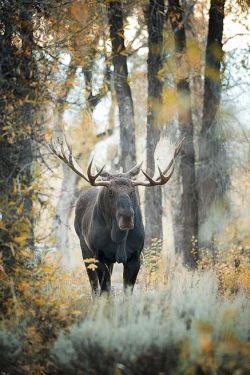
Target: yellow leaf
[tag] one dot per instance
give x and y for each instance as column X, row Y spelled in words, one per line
column 20, row 239
column 23, row 286
column 90, row 260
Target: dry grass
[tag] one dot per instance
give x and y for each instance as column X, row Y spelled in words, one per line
column 176, row 322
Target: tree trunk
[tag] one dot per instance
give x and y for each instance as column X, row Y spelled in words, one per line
column 70, row 180
column 65, row 202
column 212, row 173
column 18, row 91
column 153, row 196
column 122, row 88
column 186, row 223
column 64, row 210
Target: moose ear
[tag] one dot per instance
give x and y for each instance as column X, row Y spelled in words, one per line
column 105, row 175
column 134, row 171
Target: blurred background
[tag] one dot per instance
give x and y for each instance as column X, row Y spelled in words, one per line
column 125, row 84
column 122, row 81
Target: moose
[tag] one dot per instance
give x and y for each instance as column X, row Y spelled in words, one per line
column 108, row 219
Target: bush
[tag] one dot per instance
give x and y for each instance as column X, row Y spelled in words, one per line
column 10, row 350
column 187, row 326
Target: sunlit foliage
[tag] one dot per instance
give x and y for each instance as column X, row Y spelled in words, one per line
column 179, row 321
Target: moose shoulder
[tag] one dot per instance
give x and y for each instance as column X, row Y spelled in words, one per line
column 108, row 219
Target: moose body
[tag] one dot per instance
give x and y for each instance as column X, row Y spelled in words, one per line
column 108, row 219
column 109, row 225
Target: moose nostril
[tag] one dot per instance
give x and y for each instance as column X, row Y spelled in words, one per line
column 128, row 214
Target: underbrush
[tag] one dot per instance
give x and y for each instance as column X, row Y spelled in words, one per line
column 186, row 328
column 176, row 322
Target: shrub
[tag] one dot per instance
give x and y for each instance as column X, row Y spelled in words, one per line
column 10, row 350
column 186, row 326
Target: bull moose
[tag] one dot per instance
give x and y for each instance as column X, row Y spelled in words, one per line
column 108, row 220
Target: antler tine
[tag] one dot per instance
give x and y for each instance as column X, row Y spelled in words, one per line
column 162, row 178
column 70, row 155
column 176, row 153
column 92, row 178
column 63, row 151
column 167, row 169
column 52, row 147
column 151, row 181
column 69, row 147
column 133, row 171
column 70, row 161
column 100, row 171
column 160, row 172
column 178, row 147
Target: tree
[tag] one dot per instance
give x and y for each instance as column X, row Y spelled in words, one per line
column 68, row 190
column 212, row 175
column 186, row 223
column 122, row 88
column 19, row 90
column 153, row 197
column 69, row 179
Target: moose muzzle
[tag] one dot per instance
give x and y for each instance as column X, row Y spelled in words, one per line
column 125, row 213
column 126, row 222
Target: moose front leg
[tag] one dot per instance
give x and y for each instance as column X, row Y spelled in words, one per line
column 104, row 272
column 130, row 272
column 93, row 279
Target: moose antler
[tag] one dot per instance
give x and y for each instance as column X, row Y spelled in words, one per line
column 71, row 162
column 162, row 179
column 92, row 178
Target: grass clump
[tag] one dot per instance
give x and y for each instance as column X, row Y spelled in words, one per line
column 10, row 349
column 185, row 327
column 176, row 322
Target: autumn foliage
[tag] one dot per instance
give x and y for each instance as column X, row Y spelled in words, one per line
column 57, row 66
column 185, row 320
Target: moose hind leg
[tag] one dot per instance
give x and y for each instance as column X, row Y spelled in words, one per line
column 104, row 272
column 130, row 273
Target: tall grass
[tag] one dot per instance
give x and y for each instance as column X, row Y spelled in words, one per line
column 187, row 326
column 176, row 322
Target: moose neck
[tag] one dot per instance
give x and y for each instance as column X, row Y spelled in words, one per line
column 118, row 236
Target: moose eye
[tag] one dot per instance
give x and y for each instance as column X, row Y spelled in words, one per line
column 111, row 193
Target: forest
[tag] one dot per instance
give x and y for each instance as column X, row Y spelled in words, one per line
column 154, row 93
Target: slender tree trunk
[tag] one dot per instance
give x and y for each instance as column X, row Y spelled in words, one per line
column 153, row 196
column 212, row 173
column 70, row 180
column 122, row 88
column 66, row 199
column 186, row 224
column 29, row 75
column 64, row 210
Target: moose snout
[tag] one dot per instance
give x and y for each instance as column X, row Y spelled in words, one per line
column 126, row 219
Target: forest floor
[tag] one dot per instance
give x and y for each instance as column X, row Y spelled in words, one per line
column 176, row 322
